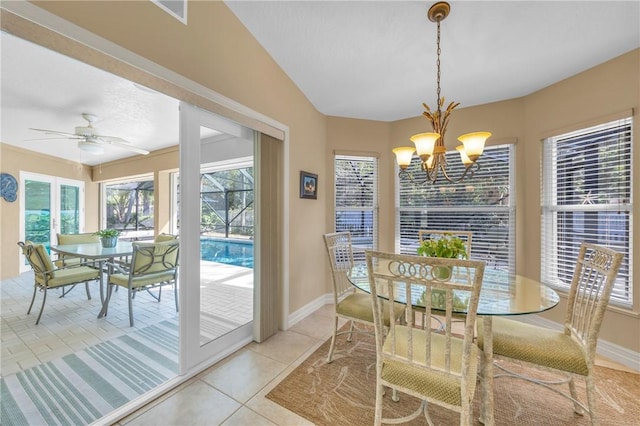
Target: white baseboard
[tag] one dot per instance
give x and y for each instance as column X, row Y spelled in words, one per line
column 606, row 349
column 308, row 309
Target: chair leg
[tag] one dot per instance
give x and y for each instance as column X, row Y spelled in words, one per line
column 86, row 287
column 44, row 299
column 378, row 407
column 572, row 389
column 131, row 294
column 591, row 398
column 33, row 298
column 175, row 294
column 353, row 325
column 66, row 291
column 159, row 293
column 333, row 340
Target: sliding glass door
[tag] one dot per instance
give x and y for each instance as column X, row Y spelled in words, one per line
column 215, row 186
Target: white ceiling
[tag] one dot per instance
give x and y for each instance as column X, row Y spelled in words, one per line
column 359, row 59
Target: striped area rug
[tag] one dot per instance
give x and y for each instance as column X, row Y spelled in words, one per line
column 84, row 386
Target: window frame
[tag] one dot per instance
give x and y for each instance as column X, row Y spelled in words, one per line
column 373, row 208
column 555, row 272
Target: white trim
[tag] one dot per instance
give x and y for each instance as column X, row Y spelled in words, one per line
column 606, row 349
column 182, row 18
column 308, row 309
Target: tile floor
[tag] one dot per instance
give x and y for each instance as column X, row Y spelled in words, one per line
column 232, row 392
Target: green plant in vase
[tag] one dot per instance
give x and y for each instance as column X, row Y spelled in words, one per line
column 108, row 237
column 447, row 246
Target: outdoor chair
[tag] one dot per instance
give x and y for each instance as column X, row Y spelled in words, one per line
column 433, row 365
column 164, row 237
column 153, row 265
column 47, row 276
column 64, row 239
column 572, row 351
column 348, row 304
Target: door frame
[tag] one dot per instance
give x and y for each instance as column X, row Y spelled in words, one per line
column 55, row 183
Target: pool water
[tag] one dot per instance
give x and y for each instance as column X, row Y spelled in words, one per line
column 230, row 252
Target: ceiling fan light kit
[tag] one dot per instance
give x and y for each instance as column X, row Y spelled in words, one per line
column 91, row 147
column 430, row 146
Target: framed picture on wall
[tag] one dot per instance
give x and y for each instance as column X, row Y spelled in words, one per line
column 308, row 185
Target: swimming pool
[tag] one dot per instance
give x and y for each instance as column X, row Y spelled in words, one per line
column 231, row 252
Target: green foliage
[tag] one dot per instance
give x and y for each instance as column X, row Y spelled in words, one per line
column 107, row 233
column 447, row 246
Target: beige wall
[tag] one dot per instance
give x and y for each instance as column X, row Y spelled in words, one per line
column 216, row 51
column 589, row 98
column 14, row 160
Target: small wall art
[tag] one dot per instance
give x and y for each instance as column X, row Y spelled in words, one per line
column 308, row 185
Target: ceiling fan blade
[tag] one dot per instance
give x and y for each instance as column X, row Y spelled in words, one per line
column 129, row 147
column 54, row 132
column 61, row 138
column 110, row 139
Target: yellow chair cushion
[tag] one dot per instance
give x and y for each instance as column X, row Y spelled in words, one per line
column 70, row 276
column 86, row 238
column 537, row 345
column 165, row 237
column 123, row 279
column 358, row 305
column 429, row 382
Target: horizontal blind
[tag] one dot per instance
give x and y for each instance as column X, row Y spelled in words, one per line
column 356, row 201
column 586, row 196
column 482, row 204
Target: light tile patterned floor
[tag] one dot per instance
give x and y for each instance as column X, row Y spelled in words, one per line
column 70, row 323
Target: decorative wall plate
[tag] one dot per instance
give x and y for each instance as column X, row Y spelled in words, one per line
column 8, row 187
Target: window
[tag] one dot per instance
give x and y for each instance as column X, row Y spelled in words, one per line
column 356, row 201
column 586, row 196
column 482, row 204
column 129, row 208
column 227, row 208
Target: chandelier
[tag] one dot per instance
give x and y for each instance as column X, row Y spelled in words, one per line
column 430, row 146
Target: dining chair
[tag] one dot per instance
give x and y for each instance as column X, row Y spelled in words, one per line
column 435, row 365
column 571, row 351
column 347, row 302
column 153, row 265
column 64, row 239
column 47, row 276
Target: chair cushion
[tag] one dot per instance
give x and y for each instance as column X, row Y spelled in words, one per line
column 165, row 237
column 537, row 345
column 123, row 279
column 86, row 238
column 38, row 258
column 71, row 276
column 428, row 382
column 358, row 305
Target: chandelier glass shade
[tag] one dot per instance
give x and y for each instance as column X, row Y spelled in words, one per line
column 430, row 146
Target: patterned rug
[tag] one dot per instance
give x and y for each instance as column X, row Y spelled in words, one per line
column 84, row 386
column 343, row 393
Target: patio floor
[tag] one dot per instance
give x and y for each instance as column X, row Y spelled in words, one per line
column 70, row 324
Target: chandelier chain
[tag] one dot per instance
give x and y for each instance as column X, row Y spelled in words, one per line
column 438, row 67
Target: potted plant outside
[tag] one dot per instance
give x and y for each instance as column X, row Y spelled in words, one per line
column 447, row 246
column 108, row 237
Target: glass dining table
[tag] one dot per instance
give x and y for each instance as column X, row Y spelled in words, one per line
column 96, row 252
column 502, row 294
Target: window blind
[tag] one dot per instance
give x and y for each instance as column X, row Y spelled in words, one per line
column 482, row 204
column 356, row 201
column 586, row 196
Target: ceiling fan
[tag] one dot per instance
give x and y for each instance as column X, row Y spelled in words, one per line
column 89, row 138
